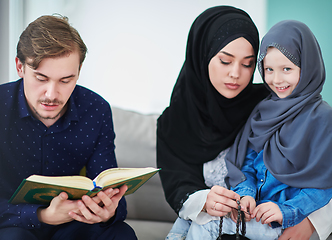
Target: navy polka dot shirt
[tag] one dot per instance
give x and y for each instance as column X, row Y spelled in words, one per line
column 83, row 136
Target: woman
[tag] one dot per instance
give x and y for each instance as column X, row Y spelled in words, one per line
column 209, row 105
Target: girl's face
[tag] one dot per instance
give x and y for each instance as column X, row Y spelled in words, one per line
column 280, row 73
column 231, row 69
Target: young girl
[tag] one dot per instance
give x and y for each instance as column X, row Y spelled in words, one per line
column 284, row 148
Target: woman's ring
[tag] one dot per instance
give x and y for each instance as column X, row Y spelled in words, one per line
column 214, row 206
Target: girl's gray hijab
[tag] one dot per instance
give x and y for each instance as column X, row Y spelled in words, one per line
column 295, row 132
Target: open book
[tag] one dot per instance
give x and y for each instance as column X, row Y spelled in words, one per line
column 38, row 189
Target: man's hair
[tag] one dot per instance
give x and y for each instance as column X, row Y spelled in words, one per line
column 49, row 37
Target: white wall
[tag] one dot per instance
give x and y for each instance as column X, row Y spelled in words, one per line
column 4, row 40
column 135, row 48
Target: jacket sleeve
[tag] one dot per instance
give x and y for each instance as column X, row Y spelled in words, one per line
column 248, row 187
column 307, row 201
column 20, row 215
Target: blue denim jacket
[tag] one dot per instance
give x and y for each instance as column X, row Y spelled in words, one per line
column 295, row 203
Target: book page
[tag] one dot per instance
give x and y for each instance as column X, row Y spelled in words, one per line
column 67, row 181
column 115, row 175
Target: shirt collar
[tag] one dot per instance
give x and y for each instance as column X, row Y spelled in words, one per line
column 23, row 107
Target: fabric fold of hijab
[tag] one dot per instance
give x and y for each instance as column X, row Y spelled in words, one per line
column 200, row 123
column 295, row 132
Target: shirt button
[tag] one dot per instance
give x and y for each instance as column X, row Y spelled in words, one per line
column 262, row 180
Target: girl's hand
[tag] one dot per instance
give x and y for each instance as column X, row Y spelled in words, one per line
column 268, row 212
column 248, row 205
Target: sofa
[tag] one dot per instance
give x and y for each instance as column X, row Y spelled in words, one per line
column 135, row 146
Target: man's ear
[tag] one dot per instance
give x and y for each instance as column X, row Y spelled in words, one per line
column 19, row 67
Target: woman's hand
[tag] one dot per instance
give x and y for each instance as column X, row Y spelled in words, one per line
column 220, row 201
column 301, row 231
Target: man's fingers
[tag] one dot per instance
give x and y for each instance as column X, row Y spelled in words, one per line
column 63, row 196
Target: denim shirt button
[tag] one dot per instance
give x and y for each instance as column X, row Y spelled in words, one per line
column 262, row 180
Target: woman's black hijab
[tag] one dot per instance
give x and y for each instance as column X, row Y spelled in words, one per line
column 200, row 123
column 295, row 132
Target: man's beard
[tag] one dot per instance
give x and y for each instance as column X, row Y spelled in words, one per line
column 48, row 101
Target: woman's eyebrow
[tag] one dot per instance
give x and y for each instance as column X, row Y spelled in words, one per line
column 231, row 55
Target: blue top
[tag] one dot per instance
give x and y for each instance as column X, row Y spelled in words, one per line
column 83, row 136
column 295, row 203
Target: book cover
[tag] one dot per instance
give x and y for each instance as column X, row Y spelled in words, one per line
column 35, row 192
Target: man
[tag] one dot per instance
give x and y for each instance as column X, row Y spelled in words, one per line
column 51, row 126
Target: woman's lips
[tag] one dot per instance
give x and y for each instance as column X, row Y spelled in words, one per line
column 232, row 86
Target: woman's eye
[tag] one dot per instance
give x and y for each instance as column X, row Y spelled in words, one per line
column 268, row 69
column 247, row 65
column 286, row 69
column 223, row 62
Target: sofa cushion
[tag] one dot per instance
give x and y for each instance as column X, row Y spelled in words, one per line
column 150, row 230
column 135, row 143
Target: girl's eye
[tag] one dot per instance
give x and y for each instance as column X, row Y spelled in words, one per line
column 286, row 69
column 268, row 69
column 225, row 63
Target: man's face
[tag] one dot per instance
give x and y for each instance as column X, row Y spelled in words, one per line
column 48, row 88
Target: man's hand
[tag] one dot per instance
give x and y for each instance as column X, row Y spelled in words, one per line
column 57, row 212
column 301, row 231
column 100, row 208
column 267, row 212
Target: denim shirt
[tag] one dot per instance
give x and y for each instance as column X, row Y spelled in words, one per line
column 295, row 204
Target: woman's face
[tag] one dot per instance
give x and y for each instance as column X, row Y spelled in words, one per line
column 231, row 69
